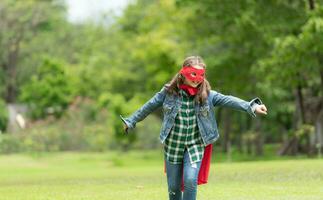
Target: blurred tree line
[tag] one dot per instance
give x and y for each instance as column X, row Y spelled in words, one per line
column 77, row 78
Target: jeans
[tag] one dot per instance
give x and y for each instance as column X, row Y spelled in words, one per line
column 175, row 176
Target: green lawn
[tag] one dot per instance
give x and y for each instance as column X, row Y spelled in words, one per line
column 139, row 176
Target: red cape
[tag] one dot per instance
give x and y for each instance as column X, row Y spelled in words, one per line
column 205, row 166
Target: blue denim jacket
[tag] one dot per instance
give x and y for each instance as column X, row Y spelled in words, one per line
column 205, row 113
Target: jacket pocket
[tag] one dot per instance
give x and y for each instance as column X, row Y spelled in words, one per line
column 204, row 111
column 167, row 108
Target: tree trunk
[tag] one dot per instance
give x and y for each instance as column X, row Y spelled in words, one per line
column 249, row 146
column 319, row 132
column 242, row 129
column 11, row 71
column 311, row 4
column 259, row 139
column 248, row 141
column 226, row 131
column 300, row 105
column 319, row 119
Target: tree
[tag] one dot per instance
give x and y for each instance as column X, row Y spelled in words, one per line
column 296, row 64
column 20, row 21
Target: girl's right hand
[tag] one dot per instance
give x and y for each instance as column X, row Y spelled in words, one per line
column 125, row 128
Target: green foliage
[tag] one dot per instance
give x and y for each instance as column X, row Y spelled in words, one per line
column 304, row 130
column 251, row 48
column 10, row 144
column 116, row 105
column 97, row 138
column 295, row 58
column 303, row 134
column 148, row 133
column 20, row 24
column 153, row 42
column 48, row 91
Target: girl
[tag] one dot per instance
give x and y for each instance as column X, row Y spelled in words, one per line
column 189, row 126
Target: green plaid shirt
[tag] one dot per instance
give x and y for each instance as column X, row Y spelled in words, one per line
column 184, row 134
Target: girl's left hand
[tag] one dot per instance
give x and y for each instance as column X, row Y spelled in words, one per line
column 261, row 109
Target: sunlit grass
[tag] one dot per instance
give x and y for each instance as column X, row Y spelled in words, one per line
column 139, row 175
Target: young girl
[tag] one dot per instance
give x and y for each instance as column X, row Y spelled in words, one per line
column 189, row 126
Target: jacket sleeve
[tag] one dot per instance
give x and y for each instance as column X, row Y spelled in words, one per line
column 219, row 99
column 151, row 105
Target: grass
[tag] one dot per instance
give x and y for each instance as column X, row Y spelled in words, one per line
column 139, row 175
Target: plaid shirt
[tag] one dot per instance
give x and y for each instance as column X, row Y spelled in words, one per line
column 184, row 134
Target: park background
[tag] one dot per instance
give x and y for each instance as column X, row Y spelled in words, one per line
column 64, row 82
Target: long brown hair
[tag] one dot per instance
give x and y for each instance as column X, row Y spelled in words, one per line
column 203, row 88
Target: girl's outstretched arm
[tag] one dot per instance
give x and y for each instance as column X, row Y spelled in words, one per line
column 251, row 107
column 151, row 105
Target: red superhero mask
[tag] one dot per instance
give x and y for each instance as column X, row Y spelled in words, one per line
column 193, row 74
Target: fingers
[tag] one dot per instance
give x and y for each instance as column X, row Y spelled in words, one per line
column 264, row 112
column 262, row 109
column 125, row 128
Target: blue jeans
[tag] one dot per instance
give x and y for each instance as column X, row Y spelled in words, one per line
column 175, row 176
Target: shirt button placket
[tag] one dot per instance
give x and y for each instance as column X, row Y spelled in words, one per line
column 187, row 120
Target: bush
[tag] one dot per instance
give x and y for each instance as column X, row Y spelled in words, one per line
column 116, row 105
column 148, row 133
column 10, row 144
column 96, row 138
column 81, row 128
column 48, row 92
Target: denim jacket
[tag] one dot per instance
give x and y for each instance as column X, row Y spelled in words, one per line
column 205, row 113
